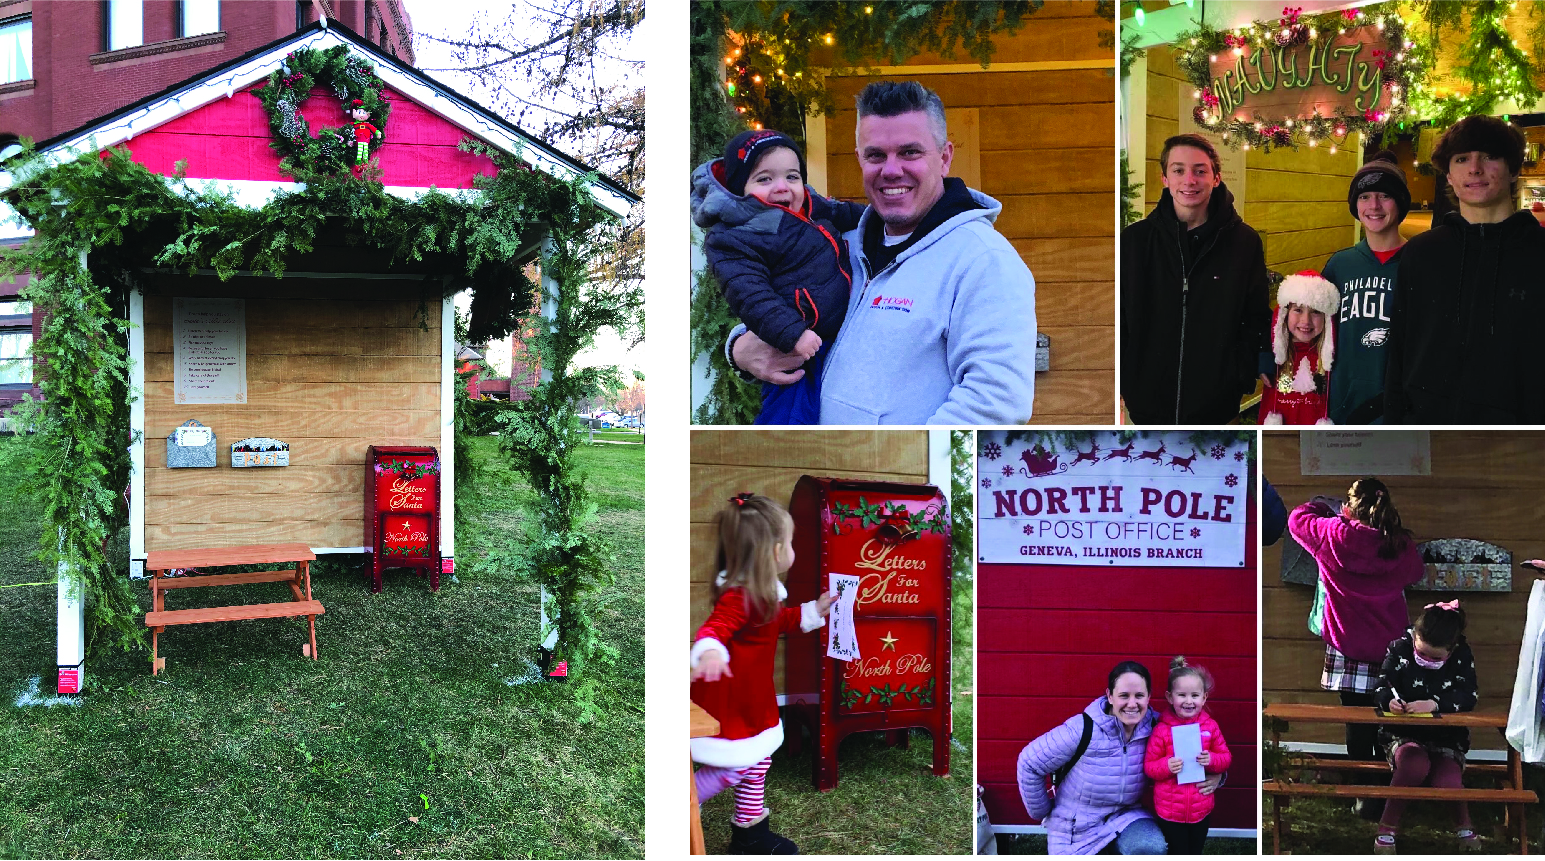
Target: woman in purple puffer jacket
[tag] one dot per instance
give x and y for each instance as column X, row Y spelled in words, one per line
column 1367, row 559
column 1101, row 797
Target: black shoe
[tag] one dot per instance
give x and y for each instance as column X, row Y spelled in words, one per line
column 759, row 839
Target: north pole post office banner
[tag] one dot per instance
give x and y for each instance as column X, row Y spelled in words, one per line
column 1160, row 499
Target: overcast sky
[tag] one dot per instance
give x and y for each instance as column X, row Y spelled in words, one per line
column 448, row 19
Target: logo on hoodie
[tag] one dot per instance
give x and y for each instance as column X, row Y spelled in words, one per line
column 892, row 303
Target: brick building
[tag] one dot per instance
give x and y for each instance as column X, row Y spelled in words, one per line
column 65, row 64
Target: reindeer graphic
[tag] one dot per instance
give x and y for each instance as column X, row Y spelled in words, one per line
column 1092, row 455
column 1185, row 462
column 1125, row 453
column 1157, row 456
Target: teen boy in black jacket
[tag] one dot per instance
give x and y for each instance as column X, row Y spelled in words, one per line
column 1194, row 306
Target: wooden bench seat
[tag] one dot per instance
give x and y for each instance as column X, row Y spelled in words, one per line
column 234, row 614
column 227, row 579
column 1318, row 763
column 1415, row 793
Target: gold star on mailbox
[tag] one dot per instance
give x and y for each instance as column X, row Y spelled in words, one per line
column 889, row 641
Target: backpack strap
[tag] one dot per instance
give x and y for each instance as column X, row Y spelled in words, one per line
column 1083, row 744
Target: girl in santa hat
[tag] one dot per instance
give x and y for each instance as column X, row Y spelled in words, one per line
column 1303, row 345
column 732, row 664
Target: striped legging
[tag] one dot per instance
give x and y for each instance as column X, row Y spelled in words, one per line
column 750, row 787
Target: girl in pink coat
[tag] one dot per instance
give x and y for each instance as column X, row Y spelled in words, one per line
column 1183, row 811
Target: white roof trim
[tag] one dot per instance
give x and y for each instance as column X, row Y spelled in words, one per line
column 225, row 85
column 254, row 193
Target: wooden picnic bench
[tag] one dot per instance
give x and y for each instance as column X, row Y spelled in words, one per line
column 298, row 578
column 1511, row 776
column 703, row 724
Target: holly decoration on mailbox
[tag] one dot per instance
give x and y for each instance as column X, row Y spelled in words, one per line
column 411, row 470
column 333, row 150
column 895, row 524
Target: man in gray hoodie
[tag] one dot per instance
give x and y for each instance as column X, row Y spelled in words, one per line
column 941, row 320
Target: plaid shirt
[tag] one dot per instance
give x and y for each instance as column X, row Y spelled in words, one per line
column 1342, row 673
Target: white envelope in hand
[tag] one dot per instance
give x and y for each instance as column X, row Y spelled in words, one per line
column 1188, row 746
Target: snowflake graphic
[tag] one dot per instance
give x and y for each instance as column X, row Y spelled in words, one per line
column 987, row 482
column 1196, row 533
column 1007, row 471
column 1231, row 480
column 992, row 451
column 1239, row 455
column 1029, row 530
column 1218, row 452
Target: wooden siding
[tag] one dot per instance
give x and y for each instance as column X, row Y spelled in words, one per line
column 1484, row 485
column 1048, row 635
column 769, row 462
column 1296, row 199
column 1044, row 147
column 328, row 376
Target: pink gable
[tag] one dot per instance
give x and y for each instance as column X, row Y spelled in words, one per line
column 229, row 139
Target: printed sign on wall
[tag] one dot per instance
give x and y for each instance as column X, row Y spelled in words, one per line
column 209, row 351
column 1349, row 452
column 1159, row 500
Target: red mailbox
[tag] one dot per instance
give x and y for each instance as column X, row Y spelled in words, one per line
column 896, row 538
column 402, row 510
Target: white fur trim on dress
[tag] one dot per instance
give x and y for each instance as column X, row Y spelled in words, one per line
column 810, row 616
column 737, row 752
column 1271, row 419
column 704, row 646
column 783, row 594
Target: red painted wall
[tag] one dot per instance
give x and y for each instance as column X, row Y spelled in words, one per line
column 229, row 139
column 1048, row 635
column 70, row 91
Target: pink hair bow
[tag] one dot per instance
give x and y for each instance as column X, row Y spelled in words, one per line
column 1451, row 606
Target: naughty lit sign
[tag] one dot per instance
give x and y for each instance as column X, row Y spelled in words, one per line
column 1324, row 76
column 1156, row 500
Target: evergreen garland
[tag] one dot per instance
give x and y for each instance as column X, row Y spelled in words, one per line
column 349, row 77
column 1490, row 60
column 1131, row 193
column 128, row 218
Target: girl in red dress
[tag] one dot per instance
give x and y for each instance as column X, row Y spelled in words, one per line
column 732, row 664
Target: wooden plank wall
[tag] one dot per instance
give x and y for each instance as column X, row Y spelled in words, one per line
column 1046, row 151
column 1484, row 485
column 1049, row 634
column 1296, row 199
column 328, row 376
column 727, row 462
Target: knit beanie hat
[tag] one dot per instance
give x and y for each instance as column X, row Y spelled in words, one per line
column 1310, row 289
column 746, row 149
column 1381, row 173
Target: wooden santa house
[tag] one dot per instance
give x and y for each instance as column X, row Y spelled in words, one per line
column 342, row 353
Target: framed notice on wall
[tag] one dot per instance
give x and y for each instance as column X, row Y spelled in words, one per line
column 209, row 351
column 1345, row 452
column 1158, row 500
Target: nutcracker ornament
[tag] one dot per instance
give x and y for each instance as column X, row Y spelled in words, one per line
column 364, row 132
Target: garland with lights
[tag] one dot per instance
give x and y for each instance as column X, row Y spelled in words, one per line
column 1401, row 66
column 1490, row 60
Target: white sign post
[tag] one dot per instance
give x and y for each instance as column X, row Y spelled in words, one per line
column 1158, row 500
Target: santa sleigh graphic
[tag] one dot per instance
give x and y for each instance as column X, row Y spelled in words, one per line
column 1040, row 462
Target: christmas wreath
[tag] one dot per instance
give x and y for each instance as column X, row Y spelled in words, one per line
column 332, row 150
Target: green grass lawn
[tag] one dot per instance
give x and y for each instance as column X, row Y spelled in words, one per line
column 406, row 739
column 887, row 800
